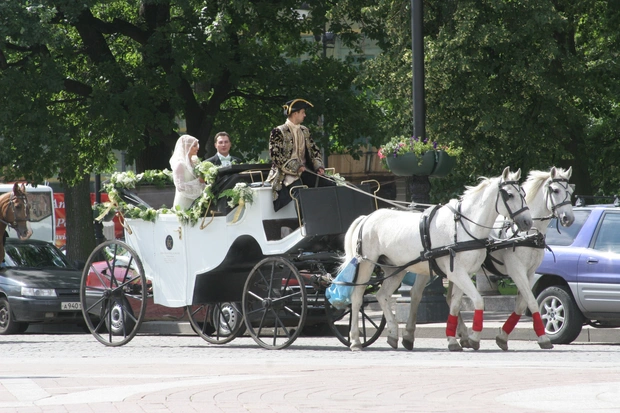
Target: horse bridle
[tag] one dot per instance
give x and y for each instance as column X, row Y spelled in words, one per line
column 16, row 221
column 506, row 196
column 567, row 201
column 458, row 216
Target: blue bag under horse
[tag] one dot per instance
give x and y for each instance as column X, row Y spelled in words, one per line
column 339, row 292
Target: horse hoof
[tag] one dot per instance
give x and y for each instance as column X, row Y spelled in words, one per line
column 453, row 345
column 545, row 343
column 356, row 347
column 501, row 343
column 393, row 342
column 465, row 343
column 408, row 344
column 474, row 344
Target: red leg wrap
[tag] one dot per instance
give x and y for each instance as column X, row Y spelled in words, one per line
column 539, row 328
column 510, row 324
column 451, row 327
column 477, row 325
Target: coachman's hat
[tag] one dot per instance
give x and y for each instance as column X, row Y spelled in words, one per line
column 295, row 105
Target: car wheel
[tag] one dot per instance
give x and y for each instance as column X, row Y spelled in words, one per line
column 7, row 324
column 560, row 315
column 120, row 320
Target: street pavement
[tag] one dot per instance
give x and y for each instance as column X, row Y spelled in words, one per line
column 167, row 368
column 493, row 321
column 71, row 372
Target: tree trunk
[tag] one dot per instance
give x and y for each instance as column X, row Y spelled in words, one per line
column 80, row 228
column 581, row 173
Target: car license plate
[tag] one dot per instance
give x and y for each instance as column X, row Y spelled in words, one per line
column 71, row 306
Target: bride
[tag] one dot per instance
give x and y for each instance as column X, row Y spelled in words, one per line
column 183, row 160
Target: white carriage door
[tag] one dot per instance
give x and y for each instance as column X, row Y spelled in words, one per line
column 170, row 283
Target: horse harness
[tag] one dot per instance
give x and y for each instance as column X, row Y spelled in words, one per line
column 16, row 220
column 430, row 254
column 536, row 240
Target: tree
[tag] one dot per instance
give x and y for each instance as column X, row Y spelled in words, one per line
column 528, row 84
column 84, row 78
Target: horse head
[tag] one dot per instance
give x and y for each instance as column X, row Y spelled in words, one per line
column 15, row 211
column 513, row 203
column 558, row 195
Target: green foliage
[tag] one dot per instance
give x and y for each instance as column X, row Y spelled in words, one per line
column 82, row 79
column 130, row 180
column 241, row 193
column 527, row 83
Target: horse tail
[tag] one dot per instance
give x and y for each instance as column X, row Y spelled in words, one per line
column 350, row 241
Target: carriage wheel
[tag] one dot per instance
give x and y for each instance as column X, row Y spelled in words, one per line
column 371, row 322
column 113, row 306
column 274, row 303
column 218, row 323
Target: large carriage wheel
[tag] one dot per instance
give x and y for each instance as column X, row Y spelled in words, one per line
column 371, row 321
column 113, row 293
column 217, row 323
column 274, row 303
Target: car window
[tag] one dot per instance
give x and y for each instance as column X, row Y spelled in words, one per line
column 608, row 234
column 34, row 255
column 567, row 235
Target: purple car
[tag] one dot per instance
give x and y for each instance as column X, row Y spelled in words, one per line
column 579, row 281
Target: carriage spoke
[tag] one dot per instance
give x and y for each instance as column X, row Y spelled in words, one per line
column 369, row 326
column 291, row 311
column 96, row 303
column 274, row 303
column 287, row 297
column 217, row 323
column 102, row 279
column 262, row 323
column 113, row 310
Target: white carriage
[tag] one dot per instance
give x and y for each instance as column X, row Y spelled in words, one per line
column 247, row 267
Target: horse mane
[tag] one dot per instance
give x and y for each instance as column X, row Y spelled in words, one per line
column 535, row 179
column 475, row 190
column 485, row 182
column 531, row 186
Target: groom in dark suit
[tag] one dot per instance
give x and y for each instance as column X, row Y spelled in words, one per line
column 222, row 145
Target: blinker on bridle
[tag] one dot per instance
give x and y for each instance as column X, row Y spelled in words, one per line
column 506, row 197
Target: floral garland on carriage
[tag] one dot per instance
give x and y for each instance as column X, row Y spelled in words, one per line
column 240, row 195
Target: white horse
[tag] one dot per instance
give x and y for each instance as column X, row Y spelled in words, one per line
column 396, row 238
column 548, row 195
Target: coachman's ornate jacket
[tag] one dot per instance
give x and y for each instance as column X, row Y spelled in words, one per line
column 281, row 151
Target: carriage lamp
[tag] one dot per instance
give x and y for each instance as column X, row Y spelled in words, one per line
column 38, row 292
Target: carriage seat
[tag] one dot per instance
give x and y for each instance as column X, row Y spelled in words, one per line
column 228, row 176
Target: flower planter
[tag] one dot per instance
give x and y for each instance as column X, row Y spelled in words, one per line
column 409, row 164
column 445, row 164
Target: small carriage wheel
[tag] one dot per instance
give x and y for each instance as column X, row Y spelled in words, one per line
column 371, row 322
column 113, row 306
column 274, row 303
column 217, row 323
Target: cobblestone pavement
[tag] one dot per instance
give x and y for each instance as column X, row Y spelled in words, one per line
column 182, row 373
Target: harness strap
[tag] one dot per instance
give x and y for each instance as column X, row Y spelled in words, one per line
column 536, row 240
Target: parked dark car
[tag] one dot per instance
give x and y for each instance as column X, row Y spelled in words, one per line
column 37, row 285
column 579, row 281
